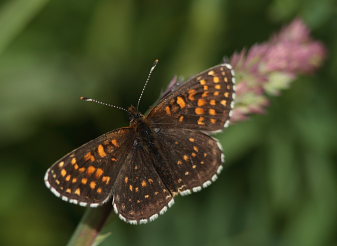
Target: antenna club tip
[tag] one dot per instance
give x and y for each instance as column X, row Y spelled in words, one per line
column 85, row 99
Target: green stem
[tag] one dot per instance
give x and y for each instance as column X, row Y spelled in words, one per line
column 90, row 226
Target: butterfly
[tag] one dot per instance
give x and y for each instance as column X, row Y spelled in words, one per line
column 141, row 168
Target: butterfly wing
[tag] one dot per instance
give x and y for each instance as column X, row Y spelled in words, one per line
column 204, row 102
column 178, row 161
column 86, row 175
column 193, row 158
column 139, row 193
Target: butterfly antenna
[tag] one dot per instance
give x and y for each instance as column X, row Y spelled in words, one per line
column 99, row 102
column 147, row 80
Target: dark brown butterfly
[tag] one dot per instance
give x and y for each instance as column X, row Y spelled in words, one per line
column 168, row 152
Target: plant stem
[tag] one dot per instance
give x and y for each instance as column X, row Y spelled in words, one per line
column 90, row 226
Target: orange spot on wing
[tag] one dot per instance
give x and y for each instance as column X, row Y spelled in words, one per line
column 186, row 158
column 205, row 94
column 216, row 79
column 196, row 149
column 201, row 121
column 73, row 161
column 90, row 157
column 126, row 180
column 199, row 111
column 93, row 184
column 213, row 121
column 181, row 118
column 101, row 151
column 150, row 181
column 181, row 102
column 224, row 102
column 202, row 102
column 74, row 180
column 78, row 191
column 63, row 172
column 203, row 82
column 68, row 190
column 115, row 142
column 191, row 139
column 68, row 177
column 131, row 187
column 99, row 190
column 99, row 172
column 211, row 72
column 218, row 87
column 106, row 179
column 179, row 162
column 144, row 183
column 212, row 111
column 168, row 110
column 216, row 93
column 61, row 164
column 191, row 94
column 212, row 102
column 226, row 94
column 91, row 170
column 82, row 169
column 84, row 180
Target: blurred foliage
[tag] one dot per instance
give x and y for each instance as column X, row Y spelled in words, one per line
column 279, row 187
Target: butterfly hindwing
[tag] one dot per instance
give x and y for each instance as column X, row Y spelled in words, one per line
column 204, row 102
column 139, row 192
column 86, row 175
column 193, row 157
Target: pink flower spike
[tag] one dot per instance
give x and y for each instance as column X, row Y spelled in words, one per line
column 269, row 67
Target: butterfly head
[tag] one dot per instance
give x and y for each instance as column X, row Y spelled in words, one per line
column 134, row 114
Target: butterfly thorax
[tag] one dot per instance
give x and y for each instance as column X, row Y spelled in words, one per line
column 143, row 132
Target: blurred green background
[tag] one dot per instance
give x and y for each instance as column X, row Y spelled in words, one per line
column 279, row 187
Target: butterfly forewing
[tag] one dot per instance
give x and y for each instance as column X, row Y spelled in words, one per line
column 204, row 102
column 86, row 175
